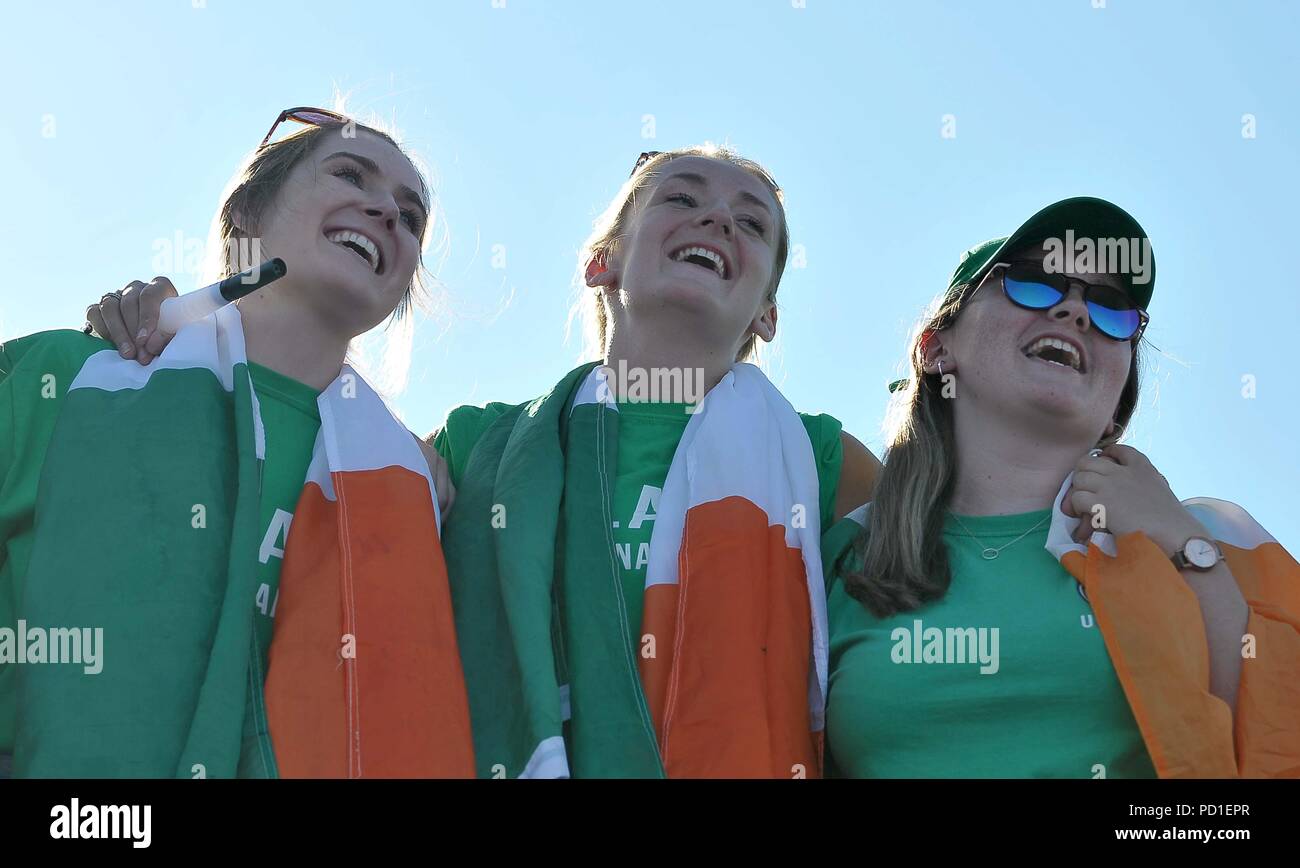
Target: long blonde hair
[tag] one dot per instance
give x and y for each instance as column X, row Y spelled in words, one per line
column 610, row 228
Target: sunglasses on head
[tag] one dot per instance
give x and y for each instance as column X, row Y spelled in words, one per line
column 646, row 156
column 314, row 117
column 1110, row 309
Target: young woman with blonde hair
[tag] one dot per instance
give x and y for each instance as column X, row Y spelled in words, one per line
column 246, row 445
column 635, row 572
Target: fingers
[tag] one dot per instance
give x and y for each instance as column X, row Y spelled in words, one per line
column 1123, row 455
column 1087, row 480
column 152, row 295
column 447, row 496
column 111, row 314
column 1078, row 502
column 128, row 307
column 1065, row 504
column 1081, row 504
column 442, row 483
column 1100, row 465
column 96, row 321
column 440, row 472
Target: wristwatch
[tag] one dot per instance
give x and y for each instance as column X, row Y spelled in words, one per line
column 1199, row 554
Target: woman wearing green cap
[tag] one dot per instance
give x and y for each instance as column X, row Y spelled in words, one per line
column 1026, row 598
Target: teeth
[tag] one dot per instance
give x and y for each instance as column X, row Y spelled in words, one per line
column 361, row 241
column 718, row 264
column 1069, row 349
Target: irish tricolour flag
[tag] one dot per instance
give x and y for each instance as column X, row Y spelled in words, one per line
column 146, row 525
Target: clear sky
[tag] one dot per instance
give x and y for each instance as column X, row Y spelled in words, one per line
column 125, row 123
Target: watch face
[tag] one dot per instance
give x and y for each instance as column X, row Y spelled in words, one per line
column 1200, row 553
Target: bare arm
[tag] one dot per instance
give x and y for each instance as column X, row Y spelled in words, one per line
column 858, row 475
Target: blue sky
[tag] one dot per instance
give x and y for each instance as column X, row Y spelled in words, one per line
column 124, row 126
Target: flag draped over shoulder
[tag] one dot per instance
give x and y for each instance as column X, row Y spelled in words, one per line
column 728, row 676
column 1152, row 625
column 147, row 527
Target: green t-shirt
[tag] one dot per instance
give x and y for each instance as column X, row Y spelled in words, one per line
column 648, row 434
column 291, row 419
column 1007, row 676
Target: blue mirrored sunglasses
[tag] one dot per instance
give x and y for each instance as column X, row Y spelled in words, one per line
column 1110, row 309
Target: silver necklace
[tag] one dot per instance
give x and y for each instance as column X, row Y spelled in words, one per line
column 988, row 552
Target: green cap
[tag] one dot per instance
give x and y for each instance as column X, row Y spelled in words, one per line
column 1111, row 231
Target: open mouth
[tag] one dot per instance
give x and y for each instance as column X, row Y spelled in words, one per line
column 704, row 258
column 1056, row 352
column 361, row 246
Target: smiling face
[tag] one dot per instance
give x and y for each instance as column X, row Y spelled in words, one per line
column 699, row 253
column 1047, row 367
column 348, row 222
